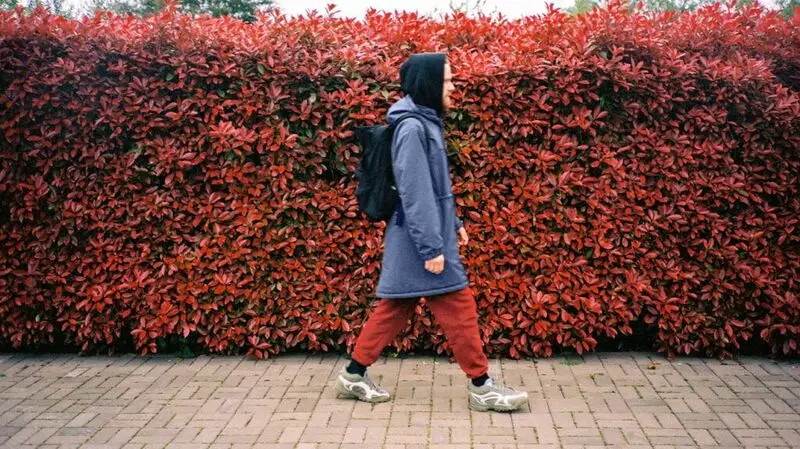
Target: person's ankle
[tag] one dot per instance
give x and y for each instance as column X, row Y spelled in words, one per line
column 356, row 368
column 480, row 381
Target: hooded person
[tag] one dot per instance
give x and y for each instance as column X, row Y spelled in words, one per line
column 425, row 223
column 421, row 249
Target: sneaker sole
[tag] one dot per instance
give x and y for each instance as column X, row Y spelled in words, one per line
column 342, row 392
column 515, row 405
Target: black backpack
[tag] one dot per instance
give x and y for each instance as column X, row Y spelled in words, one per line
column 376, row 192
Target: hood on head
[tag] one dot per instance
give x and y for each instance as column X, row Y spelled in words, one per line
column 422, row 78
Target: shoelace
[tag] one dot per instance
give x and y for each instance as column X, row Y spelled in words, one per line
column 501, row 388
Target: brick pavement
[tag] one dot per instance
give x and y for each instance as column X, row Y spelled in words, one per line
column 603, row 400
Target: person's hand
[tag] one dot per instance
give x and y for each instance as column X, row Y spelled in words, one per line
column 435, row 265
column 463, row 238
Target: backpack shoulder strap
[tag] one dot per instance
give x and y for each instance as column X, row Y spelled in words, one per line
column 424, row 128
column 400, row 212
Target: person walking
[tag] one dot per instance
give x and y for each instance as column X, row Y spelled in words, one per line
column 421, row 251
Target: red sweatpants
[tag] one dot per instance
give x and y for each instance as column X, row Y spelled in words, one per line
column 455, row 312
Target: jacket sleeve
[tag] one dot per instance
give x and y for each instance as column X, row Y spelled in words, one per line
column 413, row 180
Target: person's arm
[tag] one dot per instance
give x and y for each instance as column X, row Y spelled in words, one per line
column 413, row 181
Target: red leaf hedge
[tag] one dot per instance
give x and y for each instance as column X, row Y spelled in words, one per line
column 186, row 179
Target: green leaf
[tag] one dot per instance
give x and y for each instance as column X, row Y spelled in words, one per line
column 261, row 69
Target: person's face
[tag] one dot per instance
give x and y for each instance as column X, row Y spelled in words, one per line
column 448, row 87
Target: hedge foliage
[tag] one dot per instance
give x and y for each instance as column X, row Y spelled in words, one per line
column 619, row 172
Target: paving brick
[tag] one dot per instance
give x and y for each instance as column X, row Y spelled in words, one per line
column 698, row 406
column 647, row 420
column 439, row 435
column 291, row 435
column 568, row 405
column 175, row 445
column 791, row 436
column 500, row 420
column 521, row 434
column 243, row 440
column 659, row 432
column 724, row 437
column 322, row 435
column 732, row 420
column 754, row 433
column 618, row 424
column 576, row 432
column 613, row 437
column 582, row 441
column 376, row 434
column 609, row 400
column 762, row 442
column 635, row 436
column 617, row 405
column 538, row 446
column 753, row 421
column 584, row 420
column 672, row 441
column 702, row 437
column 354, row 435
column 407, row 435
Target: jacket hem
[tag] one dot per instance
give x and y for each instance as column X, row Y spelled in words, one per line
column 421, row 293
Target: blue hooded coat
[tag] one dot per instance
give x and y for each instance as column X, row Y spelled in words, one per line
column 425, row 223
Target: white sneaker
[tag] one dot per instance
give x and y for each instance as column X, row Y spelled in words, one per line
column 360, row 387
column 495, row 397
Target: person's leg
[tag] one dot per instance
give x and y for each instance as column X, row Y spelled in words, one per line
column 381, row 328
column 457, row 313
